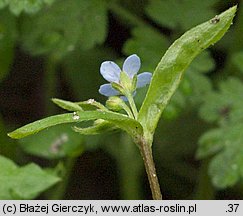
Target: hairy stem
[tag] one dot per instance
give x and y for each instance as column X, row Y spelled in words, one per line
column 147, row 156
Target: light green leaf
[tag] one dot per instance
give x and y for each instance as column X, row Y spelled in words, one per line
column 131, row 126
column 169, row 72
column 25, row 182
column 67, row 105
column 28, row 6
column 55, row 142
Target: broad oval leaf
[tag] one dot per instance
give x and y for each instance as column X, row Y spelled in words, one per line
column 127, row 124
column 169, row 72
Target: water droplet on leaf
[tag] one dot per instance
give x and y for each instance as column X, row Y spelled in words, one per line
column 90, row 101
column 75, row 116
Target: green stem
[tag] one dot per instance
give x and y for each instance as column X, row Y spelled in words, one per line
column 130, row 167
column 132, row 104
column 127, row 109
column 147, row 156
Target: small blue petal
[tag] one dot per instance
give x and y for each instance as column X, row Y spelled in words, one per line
column 110, row 71
column 131, row 65
column 144, row 79
column 107, row 90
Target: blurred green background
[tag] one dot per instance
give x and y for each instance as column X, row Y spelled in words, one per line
column 54, row 48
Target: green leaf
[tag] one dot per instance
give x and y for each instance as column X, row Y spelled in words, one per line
column 100, row 126
column 148, row 44
column 25, row 182
column 170, row 70
column 210, row 143
column 54, row 32
column 177, row 13
column 28, row 6
column 55, row 142
column 224, row 143
column 67, row 105
column 7, row 41
column 131, row 126
column 226, row 167
column 237, row 60
column 224, row 105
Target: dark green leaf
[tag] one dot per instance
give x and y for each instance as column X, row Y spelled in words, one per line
column 237, row 60
column 148, row 44
column 59, row 29
column 7, row 41
column 177, row 13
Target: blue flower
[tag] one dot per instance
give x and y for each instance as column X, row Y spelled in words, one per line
column 111, row 72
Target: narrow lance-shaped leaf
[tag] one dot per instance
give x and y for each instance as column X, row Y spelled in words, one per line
column 127, row 124
column 169, row 72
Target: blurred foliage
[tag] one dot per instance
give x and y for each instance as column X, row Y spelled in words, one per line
column 23, row 182
column 28, row 6
column 79, row 35
column 183, row 14
column 224, row 108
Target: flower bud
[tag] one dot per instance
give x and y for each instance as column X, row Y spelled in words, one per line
column 114, row 103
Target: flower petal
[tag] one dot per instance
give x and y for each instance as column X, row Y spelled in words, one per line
column 144, row 79
column 107, row 90
column 131, row 65
column 110, row 71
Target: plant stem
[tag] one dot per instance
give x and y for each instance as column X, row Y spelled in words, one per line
column 127, row 109
column 132, row 105
column 127, row 154
column 147, row 156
